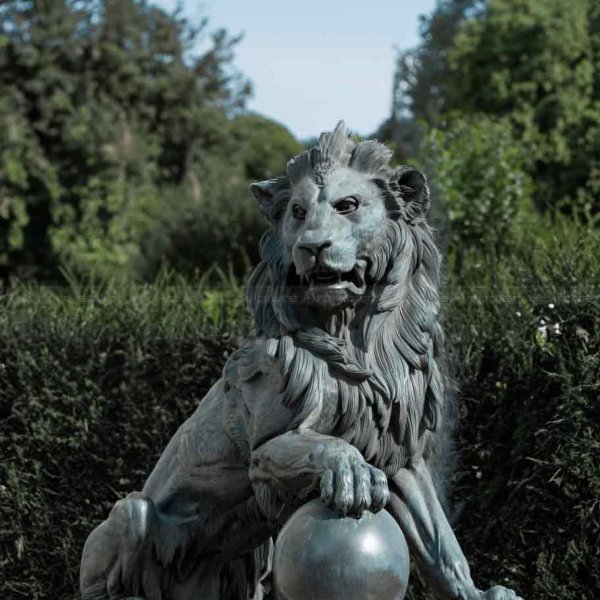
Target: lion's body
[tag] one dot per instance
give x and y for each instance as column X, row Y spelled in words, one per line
column 381, row 370
column 339, row 388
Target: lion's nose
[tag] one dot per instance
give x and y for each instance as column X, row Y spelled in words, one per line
column 314, row 247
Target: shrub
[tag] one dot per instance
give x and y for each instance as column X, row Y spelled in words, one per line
column 264, row 145
column 92, row 386
column 216, row 221
column 191, row 237
column 479, row 183
column 525, row 345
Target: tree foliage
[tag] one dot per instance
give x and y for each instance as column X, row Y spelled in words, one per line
column 108, row 113
column 534, row 63
column 218, row 223
column 421, row 77
column 262, row 143
column 538, row 63
column 480, row 184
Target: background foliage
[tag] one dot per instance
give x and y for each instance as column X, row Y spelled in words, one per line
column 533, row 62
column 116, row 127
column 480, row 171
column 126, row 230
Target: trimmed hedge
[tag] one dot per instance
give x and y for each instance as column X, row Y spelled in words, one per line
column 94, row 382
column 525, row 340
column 92, row 386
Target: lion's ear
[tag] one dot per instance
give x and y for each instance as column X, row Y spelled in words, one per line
column 410, row 188
column 272, row 196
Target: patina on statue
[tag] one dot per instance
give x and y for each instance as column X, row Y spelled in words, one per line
column 338, row 393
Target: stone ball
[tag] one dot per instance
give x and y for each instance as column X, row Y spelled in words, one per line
column 321, row 555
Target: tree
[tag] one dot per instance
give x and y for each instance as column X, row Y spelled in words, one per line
column 420, row 77
column 480, row 183
column 222, row 227
column 264, row 145
column 537, row 62
column 103, row 102
column 35, row 83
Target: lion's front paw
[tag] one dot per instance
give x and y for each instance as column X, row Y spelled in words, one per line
column 352, row 486
column 499, row 592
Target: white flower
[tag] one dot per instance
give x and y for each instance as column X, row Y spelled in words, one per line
column 541, row 335
column 551, row 305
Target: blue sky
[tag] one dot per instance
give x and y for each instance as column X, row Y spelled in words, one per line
column 315, row 62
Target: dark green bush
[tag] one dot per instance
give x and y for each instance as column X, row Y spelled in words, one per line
column 216, row 221
column 524, row 333
column 481, row 190
column 93, row 384
column 190, row 237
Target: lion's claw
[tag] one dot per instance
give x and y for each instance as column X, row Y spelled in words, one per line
column 380, row 494
column 499, row 592
column 353, row 486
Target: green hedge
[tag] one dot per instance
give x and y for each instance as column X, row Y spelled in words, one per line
column 92, row 385
column 94, row 382
column 525, row 339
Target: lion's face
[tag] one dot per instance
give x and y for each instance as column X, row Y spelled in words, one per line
column 338, row 217
column 329, row 232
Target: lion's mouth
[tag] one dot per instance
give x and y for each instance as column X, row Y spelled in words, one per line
column 323, row 277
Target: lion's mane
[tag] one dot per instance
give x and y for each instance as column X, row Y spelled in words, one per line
column 389, row 386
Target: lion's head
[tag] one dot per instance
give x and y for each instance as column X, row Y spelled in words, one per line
column 347, row 292
column 332, row 213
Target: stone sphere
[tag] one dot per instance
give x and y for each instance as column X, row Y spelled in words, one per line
column 321, row 555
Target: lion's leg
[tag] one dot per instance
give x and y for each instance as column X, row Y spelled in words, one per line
column 141, row 551
column 187, row 510
column 415, row 505
column 117, row 558
column 295, row 463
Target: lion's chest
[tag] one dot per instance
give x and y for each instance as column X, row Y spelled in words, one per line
column 349, row 415
column 260, row 409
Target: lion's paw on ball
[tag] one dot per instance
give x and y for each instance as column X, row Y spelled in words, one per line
column 354, row 486
column 322, row 554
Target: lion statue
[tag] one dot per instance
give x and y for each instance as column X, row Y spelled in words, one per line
column 338, row 393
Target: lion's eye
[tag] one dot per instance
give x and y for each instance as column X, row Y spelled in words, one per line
column 346, row 205
column 298, row 212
